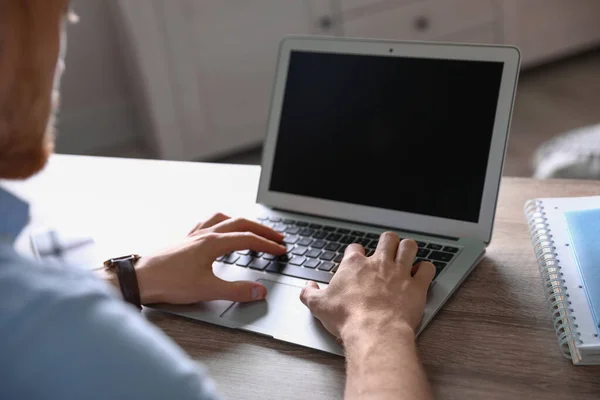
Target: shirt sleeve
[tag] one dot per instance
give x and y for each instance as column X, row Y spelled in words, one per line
column 64, row 335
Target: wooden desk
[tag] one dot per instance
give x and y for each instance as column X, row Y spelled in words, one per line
column 492, row 340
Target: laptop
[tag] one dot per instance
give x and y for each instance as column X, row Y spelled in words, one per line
column 366, row 136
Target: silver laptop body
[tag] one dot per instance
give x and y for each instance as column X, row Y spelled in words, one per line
column 366, row 136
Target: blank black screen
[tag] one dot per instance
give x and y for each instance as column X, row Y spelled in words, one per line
column 405, row 134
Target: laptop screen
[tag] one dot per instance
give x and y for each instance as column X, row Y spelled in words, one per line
column 404, row 134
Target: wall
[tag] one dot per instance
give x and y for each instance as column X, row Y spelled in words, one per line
column 98, row 114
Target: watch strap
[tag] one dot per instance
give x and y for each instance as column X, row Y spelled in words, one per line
column 124, row 268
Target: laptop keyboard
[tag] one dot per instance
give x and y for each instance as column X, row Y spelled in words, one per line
column 315, row 250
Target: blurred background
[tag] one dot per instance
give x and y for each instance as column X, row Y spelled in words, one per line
column 191, row 79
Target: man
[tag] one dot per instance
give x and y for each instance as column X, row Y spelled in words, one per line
column 66, row 334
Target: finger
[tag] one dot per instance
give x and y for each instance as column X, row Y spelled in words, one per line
column 245, row 225
column 241, row 291
column 212, row 221
column 388, row 245
column 425, row 273
column 407, row 251
column 354, row 248
column 227, row 242
column 309, row 296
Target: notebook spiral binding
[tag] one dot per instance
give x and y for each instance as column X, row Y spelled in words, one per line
column 555, row 286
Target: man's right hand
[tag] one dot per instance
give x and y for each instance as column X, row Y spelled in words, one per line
column 375, row 306
column 373, row 291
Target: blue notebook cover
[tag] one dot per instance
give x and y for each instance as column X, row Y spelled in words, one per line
column 584, row 231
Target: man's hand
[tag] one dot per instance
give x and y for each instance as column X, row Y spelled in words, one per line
column 375, row 306
column 373, row 290
column 184, row 275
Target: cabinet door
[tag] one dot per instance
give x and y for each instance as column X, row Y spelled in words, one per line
column 232, row 47
column 546, row 29
column 423, row 20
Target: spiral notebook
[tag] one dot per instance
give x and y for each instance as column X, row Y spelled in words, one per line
column 560, row 242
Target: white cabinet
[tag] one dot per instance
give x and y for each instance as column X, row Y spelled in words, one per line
column 547, row 29
column 205, row 67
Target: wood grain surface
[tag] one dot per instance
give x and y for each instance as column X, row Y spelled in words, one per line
column 492, row 340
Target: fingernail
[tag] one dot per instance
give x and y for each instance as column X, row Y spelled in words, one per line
column 258, row 293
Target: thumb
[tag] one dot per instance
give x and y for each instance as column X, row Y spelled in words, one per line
column 241, row 291
column 309, row 296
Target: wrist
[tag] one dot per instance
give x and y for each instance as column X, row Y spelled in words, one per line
column 147, row 287
column 150, row 292
column 375, row 326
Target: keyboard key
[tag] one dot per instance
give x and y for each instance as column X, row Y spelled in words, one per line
column 318, row 244
column 327, row 256
column 291, row 239
column 326, row 266
column 434, row 246
column 259, row 264
column 280, row 227
column 231, row 258
column 297, row 260
column 439, row 265
column 269, row 257
column 450, row 249
column 244, row 261
column 440, row 256
column 274, row 219
column 343, row 231
column 338, row 258
column 320, row 235
column 311, row 263
column 347, row 239
column 333, row 237
column 423, row 253
column 332, row 247
column 283, row 258
column 373, row 235
column 299, row 251
column 305, row 241
column 421, row 244
column 289, row 221
column 357, row 233
column 329, row 228
column 315, row 226
column 263, row 218
column 219, row 259
column 301, row 224
column 307, row 232
column 373, row 244
column 313, row 253
column 292, row 230
column 290, row 247
column 362, row 241
column 299, row 272
column 243, row 252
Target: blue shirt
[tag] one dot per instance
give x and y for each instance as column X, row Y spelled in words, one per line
column 64, row 334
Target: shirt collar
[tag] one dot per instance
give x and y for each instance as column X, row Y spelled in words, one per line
column 14, row 216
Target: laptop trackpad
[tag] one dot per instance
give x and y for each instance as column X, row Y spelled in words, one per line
column 283, row 316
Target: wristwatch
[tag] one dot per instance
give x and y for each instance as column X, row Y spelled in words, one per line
column 124, row 267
